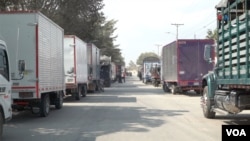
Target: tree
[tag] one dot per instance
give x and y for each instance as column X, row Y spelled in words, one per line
column 132, row 66
column 144, row 55
column 82, row 18
column 212, row 34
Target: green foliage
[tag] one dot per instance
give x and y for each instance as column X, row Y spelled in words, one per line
column 212, row 34
column 144, row 55
column 82, row 18
column 132, row 66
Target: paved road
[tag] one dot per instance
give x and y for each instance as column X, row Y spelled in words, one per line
column 130, row 111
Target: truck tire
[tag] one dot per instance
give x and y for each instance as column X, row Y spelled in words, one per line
column 1, row 123
column 206, row 104
column 165, row 88
column 45, row 105
column 78, row 93
column 173, row 89
column 59, row 101
column 84, row 91
column 108, row 83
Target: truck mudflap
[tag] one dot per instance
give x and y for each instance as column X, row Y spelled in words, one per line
column 232, row 101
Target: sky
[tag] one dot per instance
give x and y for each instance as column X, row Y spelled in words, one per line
column 148, row 25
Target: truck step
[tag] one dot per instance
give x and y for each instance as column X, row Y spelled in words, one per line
column 217, row 110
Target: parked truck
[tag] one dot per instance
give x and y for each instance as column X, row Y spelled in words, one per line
column 35, row 43
column 182, row 65
column 5, row 86
column 106, row 70
column 93, row 67
column 226, row 88
column 150, row 67
column 75, row 64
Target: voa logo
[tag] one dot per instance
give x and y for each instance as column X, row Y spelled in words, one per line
column 236, row 132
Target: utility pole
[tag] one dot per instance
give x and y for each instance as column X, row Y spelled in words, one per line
column 177, row 26
column 158, row 45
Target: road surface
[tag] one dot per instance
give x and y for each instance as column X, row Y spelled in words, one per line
column 130, row 111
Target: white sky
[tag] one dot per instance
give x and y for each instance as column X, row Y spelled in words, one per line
column 142, row 24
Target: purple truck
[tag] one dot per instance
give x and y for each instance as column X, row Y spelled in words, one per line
column 182, row 65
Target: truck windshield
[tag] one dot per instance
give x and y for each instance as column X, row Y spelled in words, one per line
column 4, row 71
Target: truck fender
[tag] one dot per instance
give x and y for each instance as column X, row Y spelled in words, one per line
column 210, row 81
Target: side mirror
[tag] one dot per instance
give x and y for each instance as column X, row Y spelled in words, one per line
column 207, row 53
column 21, row 66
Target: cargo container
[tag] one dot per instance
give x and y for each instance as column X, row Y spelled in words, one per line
column 226, row 88
column 182, row 65
column 37, row 41
column 93, row 67
column 76, row 66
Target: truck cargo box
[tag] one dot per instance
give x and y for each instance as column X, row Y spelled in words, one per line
column 93, row 67
column 94, row 61
column 36, row 40
column 183, row 65
column 75, row 60
column 76, row 66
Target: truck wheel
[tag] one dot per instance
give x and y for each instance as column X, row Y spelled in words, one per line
column 108, row 83
column 165, row 88
column 1, row 123
column 206, row 104
column 173, row 89
column 45, row 105
column 84, row 91
column 59, row 101
column 97, row 87
column 78, row 93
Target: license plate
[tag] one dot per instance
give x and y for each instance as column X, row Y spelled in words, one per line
column 25, row 94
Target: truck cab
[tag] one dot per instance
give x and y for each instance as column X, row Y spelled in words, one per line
column 5, row 87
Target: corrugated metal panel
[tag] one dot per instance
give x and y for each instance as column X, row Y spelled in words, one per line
column 19, row 30
column 50, row 44
column 169, row 62
column 81, row 61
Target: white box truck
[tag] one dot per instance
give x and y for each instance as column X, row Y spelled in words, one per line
column 93, row 67
column 76, row 66
column 36, row 40
column 5, row 87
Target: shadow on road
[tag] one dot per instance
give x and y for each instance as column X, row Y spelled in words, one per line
column 78, row 122
column 103, row 99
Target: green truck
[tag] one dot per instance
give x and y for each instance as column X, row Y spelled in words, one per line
column 227, row 87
